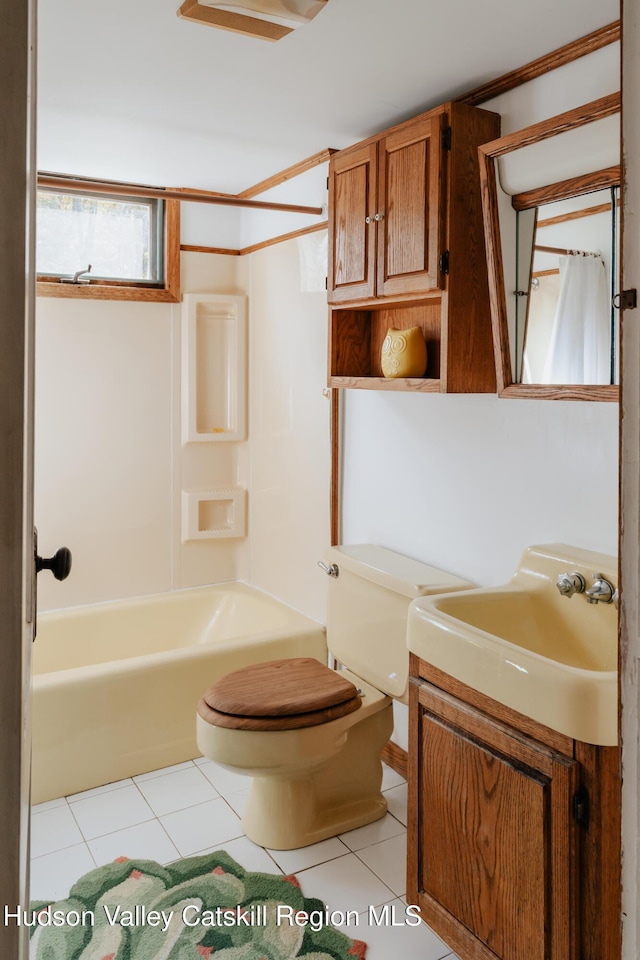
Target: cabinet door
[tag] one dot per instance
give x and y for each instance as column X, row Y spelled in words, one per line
column 493, row 838
column 411, row 203
column 352, row 241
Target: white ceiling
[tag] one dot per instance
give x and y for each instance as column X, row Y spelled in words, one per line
column 128, row 90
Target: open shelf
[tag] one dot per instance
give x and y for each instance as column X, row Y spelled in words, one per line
column 357, row 334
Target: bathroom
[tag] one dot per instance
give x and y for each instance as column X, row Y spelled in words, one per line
column 461, row 482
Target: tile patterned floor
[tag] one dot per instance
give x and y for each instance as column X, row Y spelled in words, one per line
column 195, row 807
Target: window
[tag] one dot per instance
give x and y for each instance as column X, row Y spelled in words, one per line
column 131, row 243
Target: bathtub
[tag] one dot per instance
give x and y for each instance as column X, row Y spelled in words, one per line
column 116, row 684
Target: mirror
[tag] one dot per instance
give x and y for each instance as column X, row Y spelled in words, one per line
column 552, row 233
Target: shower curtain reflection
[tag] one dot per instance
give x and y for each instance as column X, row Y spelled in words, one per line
column 578, row 348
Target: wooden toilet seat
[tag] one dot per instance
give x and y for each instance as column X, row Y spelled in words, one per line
column 279, row 695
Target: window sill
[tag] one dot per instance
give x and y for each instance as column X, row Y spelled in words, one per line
column 104, row 291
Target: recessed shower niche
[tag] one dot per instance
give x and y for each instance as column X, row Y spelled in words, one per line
column 213, row 367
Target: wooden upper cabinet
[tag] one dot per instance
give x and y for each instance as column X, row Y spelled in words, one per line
column 406, row 249
column 353, row 197
column 410, row 204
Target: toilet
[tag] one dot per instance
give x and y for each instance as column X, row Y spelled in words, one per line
column 312, row 737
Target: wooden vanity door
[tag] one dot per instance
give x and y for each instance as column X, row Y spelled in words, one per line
column 353, row 196
column 493, row 845
column 411, row 204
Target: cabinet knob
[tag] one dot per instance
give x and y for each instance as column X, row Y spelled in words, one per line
column 379, row 216
column 368, row 219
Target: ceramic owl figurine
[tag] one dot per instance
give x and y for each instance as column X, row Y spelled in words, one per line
column 404, row 353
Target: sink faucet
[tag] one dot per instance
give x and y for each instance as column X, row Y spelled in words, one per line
column 570, row 583
column 601, row 591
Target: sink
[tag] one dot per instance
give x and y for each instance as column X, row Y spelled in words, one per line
column 550, row 657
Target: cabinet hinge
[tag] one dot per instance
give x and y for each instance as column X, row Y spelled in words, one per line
column 444, row 262
column 626, row 300
column 581, row 807
column 446, row 138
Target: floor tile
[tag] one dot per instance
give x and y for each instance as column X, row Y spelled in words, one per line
column 344, row 884
column 97, row 791
column 53, row 875
column 146, row 841
column 225, row 781
column 53, row 829
column 249, row 855
column 388, row 860
column 237, row 801
column 390, row 778
column 141, row 777
column 293, row 861
column 397, row 802
column 385, row 940
column 108, row 812
column 374, row 832
column 177, row 790
column 201, row 827
column 48, row 805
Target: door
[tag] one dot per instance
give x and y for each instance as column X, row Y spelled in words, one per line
column 16, row 464
column 410, row 207
column 353, row 196
column 497, row 868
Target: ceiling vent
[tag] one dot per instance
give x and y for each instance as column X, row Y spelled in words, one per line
column 267, row 19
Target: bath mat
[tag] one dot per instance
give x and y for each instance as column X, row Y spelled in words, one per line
column 194, row 909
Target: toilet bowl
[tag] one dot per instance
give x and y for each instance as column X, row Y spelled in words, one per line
column 310, row 737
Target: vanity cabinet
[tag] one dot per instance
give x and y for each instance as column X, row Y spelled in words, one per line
column 513, row 835
column 406, row 248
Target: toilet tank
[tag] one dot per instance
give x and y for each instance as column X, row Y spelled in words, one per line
column 367, row 611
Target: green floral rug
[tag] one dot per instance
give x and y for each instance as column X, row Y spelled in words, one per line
column 193, row 909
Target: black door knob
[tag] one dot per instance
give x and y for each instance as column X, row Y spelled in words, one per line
column 59, row 563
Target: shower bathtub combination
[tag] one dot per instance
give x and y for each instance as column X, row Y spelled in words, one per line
column 116, row 684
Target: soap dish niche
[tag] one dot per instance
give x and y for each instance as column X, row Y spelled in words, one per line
column 213, row 367
column 214, row 514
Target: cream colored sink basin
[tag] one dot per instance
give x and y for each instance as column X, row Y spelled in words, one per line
column 550, row 657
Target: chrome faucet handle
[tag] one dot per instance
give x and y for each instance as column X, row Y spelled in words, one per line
column 601, row 590
column 570, row 583
column 331, row 571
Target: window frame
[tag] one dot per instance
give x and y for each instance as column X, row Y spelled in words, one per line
column 166, row 292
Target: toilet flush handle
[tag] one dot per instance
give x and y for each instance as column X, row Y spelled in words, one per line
column 331, row 571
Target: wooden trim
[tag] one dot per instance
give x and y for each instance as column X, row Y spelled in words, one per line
column 562, row 251
column 335, row 491
column 550, row 61
column 575, row 215
column 396, row 758
column 552, row 126
column 564, row 189
column 226, row 251
column 235, row 22
column 314, row 228
column 559, row 391
column 114, row 290
column 545, row 273
column 493, row 244
column 293, row 171
column 57, row 182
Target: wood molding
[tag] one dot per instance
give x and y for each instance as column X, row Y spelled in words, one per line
column 336, row 444
column 562, row 391
column 598, row 180
column 551, row 61
column 226, row 251
column 314, row 228
column 396, row 758
column 552, row 126
column 293, row 171
column 574, row 215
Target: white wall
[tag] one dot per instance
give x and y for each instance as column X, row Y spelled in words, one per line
column 110, row 465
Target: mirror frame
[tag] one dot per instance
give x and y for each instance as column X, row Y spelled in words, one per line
column 489, row 153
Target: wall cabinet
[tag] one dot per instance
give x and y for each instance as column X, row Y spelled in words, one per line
column 513, row 843
column 406, row 248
